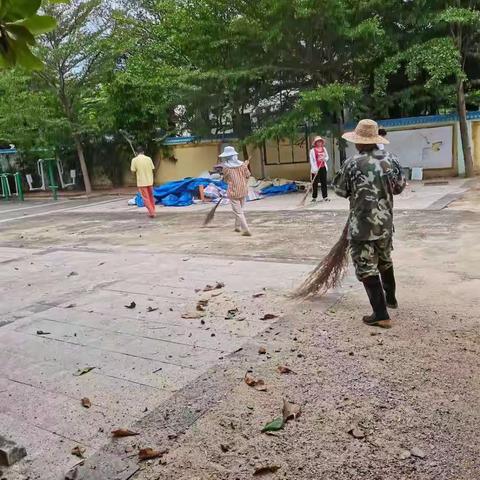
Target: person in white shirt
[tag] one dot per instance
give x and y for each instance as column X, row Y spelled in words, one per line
column 318, row 167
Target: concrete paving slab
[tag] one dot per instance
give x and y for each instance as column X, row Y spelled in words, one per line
column 72, row 357
column 48, row 454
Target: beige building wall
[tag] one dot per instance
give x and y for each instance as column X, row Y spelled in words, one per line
column 190, row 161
column 476, row 146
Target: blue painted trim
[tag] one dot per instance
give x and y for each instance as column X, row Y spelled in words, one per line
column 403, row 122
column 388, row 123
column 8, row 151
column 195, row 139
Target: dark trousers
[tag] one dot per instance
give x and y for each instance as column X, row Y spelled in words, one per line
column 322, row 178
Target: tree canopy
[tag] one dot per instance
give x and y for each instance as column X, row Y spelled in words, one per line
column 259, row 70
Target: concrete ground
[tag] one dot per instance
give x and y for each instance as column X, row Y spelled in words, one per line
column 174, row 374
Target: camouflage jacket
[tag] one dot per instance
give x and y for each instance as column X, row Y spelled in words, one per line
column 370, row 180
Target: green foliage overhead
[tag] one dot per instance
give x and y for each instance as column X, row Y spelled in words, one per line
column 19, row 24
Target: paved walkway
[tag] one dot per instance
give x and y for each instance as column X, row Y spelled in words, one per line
column 68, row 271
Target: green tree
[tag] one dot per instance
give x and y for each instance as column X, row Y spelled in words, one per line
column 19, row 25
column 77, row 64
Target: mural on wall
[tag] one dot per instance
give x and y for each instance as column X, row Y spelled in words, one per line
column 429, row 148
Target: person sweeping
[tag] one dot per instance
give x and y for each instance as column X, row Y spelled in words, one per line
column 143, row 167
column 319, row 168
column 369, row 180
column 236, row 175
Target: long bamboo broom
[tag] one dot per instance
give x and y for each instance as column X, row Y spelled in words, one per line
column 211, row 214
column 309, row 189
column 330, row 271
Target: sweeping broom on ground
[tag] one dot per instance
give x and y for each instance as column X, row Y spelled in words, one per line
column 211, row 214
column 307, row 192
column 330, row 271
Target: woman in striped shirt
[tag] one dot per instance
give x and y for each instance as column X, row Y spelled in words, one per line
column 236, row 174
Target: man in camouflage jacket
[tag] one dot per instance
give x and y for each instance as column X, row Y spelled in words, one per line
column 370, row 179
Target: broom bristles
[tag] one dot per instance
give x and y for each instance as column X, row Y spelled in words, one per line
column 329, row 272
column 305, row 196
column 211, row 214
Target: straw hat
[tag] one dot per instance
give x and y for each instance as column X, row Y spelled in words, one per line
column 317, row 139
column 366, row 133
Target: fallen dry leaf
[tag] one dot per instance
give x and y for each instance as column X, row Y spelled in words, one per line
column 131, row 306
column 262, row 350
column 123, row 432
column 356, row 432
column 290, row 411
column 78, row 451
column 192, row 315
column 41, row 332
column 217, row 286
column 86, row 402
column 149, row 453
column 257, row 384
column 264, row 470
column 83, row 371
column 152, row 309
column 257, row 295
column 72, row 305
column 269, row 316
column 231, row 314
column 284, row 370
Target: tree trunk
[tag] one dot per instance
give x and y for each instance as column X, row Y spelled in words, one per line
column 462, row 115
column 83, row 163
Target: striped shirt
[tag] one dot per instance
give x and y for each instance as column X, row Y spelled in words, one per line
column 237, row 181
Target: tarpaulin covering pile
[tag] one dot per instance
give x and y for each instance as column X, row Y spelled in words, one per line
column 279, row 190
column 182, row 192
column 179, row 193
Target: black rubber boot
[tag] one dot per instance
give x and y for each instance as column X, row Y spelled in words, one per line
column 380, row 317
column 389, row 285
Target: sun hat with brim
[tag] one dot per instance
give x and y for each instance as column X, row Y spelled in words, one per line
column 318, row 139
column 229, row 152
column 366, row 133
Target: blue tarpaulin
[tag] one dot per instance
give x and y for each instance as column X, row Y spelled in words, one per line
column 279, row 190
column 179, row 193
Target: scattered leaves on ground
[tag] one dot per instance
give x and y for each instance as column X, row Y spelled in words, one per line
column 41, row 332
column 78, row 451
column 262, row 351
column 265, row 470
column 83, row 371
column 269, row 316
column 274, row 425
column 258, row 295
column 131, row 306
column 86, row 402
column 217, row 286
column 152, row 309
column 258, row 384
column 149, row 453
column 357, row 432
column 284, row 370
column 231, row 314
column 202, row 305
column 192, row 315
column 123, row 432
column 290, row 411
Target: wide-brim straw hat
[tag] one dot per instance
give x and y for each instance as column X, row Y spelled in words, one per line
column 366, row 133
column 318, row 139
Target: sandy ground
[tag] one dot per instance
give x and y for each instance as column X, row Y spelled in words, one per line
column 410, row 394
